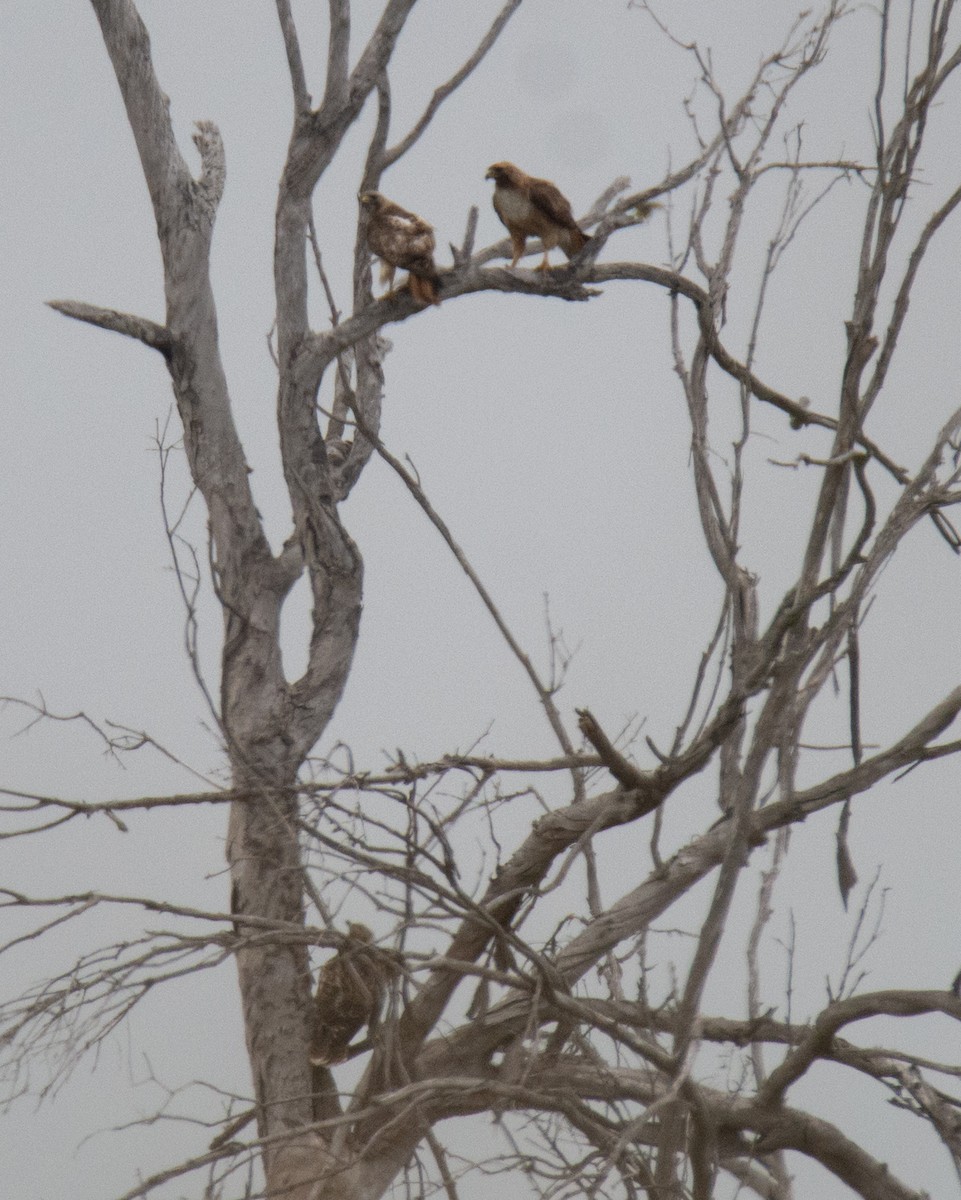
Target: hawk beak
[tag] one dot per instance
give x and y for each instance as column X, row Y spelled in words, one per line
column 490, row 173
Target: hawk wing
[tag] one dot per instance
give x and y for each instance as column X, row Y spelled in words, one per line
column 350, row 995
column 532, row 207
column 402, row 239
column 550, row 201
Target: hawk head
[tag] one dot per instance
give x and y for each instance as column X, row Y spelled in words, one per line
column 504, row 173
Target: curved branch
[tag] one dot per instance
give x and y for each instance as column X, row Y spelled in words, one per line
column 573, row 284
column 789, row 1129
column 817, row 1043
column 452, row 84
column 566, row 1088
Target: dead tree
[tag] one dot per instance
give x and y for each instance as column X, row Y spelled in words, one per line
column 598, row 1088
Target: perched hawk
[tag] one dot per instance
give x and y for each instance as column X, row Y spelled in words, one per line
column 532, row 207
column 402, row 239
column 350, row 994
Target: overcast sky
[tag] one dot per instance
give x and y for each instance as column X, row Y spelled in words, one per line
column 551, row 436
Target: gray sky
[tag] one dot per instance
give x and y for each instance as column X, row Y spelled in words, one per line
column 551, row 436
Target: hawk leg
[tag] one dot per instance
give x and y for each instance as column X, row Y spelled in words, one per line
column 518, row 242
column 387, row 277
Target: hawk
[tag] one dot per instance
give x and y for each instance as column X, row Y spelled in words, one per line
column 532, row 207
column 351, row 989
column 402, row 239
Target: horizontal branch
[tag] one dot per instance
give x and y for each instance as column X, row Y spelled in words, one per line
column 710, row 1029
column 320, row 349
column 12, row 899
column 157, row 337
column 402, row 773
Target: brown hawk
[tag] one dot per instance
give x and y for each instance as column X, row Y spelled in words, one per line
column 532, row 207
column 402, row 239
column 351, row 989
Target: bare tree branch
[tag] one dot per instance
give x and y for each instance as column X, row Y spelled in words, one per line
column 295, row 62
column 157, row 337
column 446, row 89
column 570, row 1018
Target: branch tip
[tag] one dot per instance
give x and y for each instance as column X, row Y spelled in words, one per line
column 157, row 337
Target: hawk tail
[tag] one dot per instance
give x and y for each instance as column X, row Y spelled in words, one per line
column 329, row 1046
column 575, row 241
column 425, row 288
